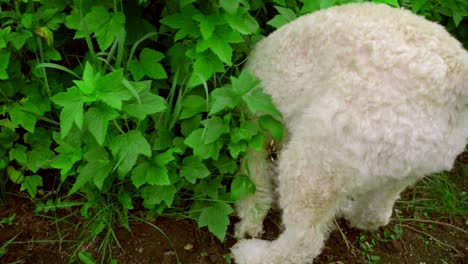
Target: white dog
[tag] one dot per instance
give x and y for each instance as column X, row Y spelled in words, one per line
column 374, row 98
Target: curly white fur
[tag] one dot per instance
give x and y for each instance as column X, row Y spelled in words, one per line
column 373, row 98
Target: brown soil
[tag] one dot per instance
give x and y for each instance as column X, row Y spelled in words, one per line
column 37, row 242
column 41, row 239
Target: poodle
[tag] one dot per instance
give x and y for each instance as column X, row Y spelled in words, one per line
column 374, row 98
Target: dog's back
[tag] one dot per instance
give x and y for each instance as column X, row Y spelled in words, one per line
column 369, row 51
column 374, row 77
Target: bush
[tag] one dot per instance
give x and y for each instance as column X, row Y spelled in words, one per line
column 135, row 103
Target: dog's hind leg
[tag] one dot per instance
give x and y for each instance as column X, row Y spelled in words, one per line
column 253, row 208
column 309, row 199
column 373, row 209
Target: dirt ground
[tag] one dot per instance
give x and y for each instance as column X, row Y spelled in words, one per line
column 169, row 240
column 37, row 242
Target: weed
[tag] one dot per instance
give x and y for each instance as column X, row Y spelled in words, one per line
column 389, row 234
column 367, row 248
column 437, row 195
column 8, row 220
column 4, row 247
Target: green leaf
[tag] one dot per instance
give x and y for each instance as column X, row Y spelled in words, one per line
column 30, row 184
column 219, row 46
column 88, row 83
column 208, row 24
column 4, row 34
column 19, row 153
column 149, row 173
column 25, row 114
column 416, row 5
column 286, row 15
column 236, row 148
column 4, row 61
column 219, row 43
column 52, row 54
column 183, row 22
column 126, row 148
column 183, row 3
column 259, row 102
column 86, row 257
column 27, row 20
column 73, row 21
column 106, row 26
column 245, row 131
column 457, row 16
column 98, row 118
column 216, row 218
column 97, row 168
column 18, row 38
column 72, row 111
column 229, row 5
column 389, row 2
column 150, row 104
column 242, row 21
column 214, row 128
column 177, row 58
column 40, row 158
column 209, row 187
column 245, row 83
column 163, row 139
column 257, row 142
column 273, row 126
column 310, row 6
column 153, row 195
column 196, row 141
column 189, row 125
column 164, row 158
column 204, row 66
column 69, row 150
column 16, row 176
column 193, row 168
column 226, row 164
column 111, row 90
column 137, row 87
column 137, row 69
column 328, row 3
column 283, row 2
column 193, row 105
column 125, row 199
column 241, row 187
column 149, row 61
column 223, row 98
column 278, row 21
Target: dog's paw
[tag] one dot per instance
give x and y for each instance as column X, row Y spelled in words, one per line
column 251, row 251
column 371, row 224
column 245, row 229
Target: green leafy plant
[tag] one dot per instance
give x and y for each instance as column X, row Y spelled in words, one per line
column 437, row 195
column 8, row 220
column 367, row 248
column 113, row 124
column 138, row 106
column 389, row 234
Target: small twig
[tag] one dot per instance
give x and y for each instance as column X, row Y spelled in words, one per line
column 432, row 237
column 342, row 234
column 404, row 248
column 434, row 222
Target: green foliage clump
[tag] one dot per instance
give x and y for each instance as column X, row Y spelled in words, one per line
column 136, row 103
